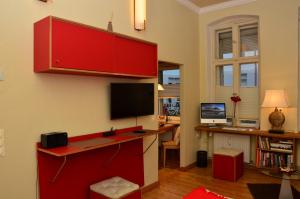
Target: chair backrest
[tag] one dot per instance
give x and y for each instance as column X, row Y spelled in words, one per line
column 177, row 136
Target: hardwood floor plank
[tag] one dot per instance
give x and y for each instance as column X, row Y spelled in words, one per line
column 174, row 184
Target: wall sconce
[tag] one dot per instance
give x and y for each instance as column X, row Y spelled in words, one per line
column 139, row 15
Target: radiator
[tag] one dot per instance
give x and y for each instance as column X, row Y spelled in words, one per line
column 241, row 142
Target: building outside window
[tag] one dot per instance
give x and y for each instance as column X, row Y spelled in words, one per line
column 169, row 100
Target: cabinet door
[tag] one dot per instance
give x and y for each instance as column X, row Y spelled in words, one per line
column 135, row 57
column 75, row 46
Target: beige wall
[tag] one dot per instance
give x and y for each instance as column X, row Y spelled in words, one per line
column 31, row 104
column 278, row 23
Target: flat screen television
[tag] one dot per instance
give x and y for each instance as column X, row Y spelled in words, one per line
column 131, row 100
column 213, row 113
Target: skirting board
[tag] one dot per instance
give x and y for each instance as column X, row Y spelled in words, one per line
column 187, row 167
column 149, row 187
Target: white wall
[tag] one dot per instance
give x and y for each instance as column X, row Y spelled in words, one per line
column 31, row 104
column 278, row 32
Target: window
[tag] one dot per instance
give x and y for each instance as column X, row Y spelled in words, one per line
column 224, row 76
column 235, row 64
column 249, row 42
column 169, row 99
column 172, row 106
column 225, row 44
column 248, row 75
column 170, row 76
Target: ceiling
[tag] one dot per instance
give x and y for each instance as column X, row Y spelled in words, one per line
column 204, row 3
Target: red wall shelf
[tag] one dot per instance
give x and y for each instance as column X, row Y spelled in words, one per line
column 63, row 46
column 67, row 172
column 93, row 141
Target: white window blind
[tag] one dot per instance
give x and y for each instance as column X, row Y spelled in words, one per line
column 223, row 94
column 236, row 64
column 225, row 45
column 249, row 42
column 249, row 106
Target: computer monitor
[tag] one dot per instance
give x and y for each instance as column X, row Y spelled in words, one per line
column 213, row 113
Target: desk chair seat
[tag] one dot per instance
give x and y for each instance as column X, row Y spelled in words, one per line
column 172, row 144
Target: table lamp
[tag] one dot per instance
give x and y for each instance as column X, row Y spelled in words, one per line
column 160, row 87
column 275, row 99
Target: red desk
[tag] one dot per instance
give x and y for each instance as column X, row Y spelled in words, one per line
column 67, row 172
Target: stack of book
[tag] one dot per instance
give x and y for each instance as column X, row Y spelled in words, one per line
column 282, row 146
column 274, row 153
column 272, row 160
column 285, row 146
column 264, row 143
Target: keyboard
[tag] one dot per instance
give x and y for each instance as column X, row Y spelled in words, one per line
column 234, row 128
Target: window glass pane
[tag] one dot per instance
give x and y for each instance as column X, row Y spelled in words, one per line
column 224, row 75
column 171, row 106
column 171, row 76
column 225, row 45
column 249, row 42
column 248, row 75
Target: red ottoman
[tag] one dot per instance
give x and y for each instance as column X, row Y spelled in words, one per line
column 228, row 164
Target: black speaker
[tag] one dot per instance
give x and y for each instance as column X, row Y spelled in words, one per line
column 54, row 139
column 202, row 159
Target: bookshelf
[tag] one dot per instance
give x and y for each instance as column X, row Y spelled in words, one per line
column 275, row 152
column 288, row 155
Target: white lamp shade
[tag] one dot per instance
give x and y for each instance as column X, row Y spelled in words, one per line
column 139, row 14
column 275, row 98
column 170, row 91
column 160, row 87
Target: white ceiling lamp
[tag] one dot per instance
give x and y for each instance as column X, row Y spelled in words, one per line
column 139, row 15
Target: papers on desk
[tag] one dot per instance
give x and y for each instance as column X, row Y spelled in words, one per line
column 173, row 122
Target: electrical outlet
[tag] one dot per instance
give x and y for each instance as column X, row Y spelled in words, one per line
column 2, row 146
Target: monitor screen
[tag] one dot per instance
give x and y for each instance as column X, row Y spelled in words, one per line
column 213, row 113
column 131, row 100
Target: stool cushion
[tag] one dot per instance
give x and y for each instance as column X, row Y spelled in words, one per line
column 115, row 187
column 228, row 152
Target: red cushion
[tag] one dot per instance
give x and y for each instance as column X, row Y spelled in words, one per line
column 203, row 194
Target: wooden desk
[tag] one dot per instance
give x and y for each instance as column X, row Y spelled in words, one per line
column 167, row 128
column 262, row 142
column 94, row 141
column 251, row 131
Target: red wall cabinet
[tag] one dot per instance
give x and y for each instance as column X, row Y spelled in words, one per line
column 62, row 46
column 134, row 57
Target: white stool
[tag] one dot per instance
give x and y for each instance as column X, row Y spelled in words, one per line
column 114, row 188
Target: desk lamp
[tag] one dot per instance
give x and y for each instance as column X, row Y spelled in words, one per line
column 160, row 87
column 275, row 98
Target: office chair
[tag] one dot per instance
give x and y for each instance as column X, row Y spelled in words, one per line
column 172, row 144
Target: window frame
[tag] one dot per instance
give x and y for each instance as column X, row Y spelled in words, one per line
column 235, row 24
column 173, row 89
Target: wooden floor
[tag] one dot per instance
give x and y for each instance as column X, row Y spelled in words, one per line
column 175, row 183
